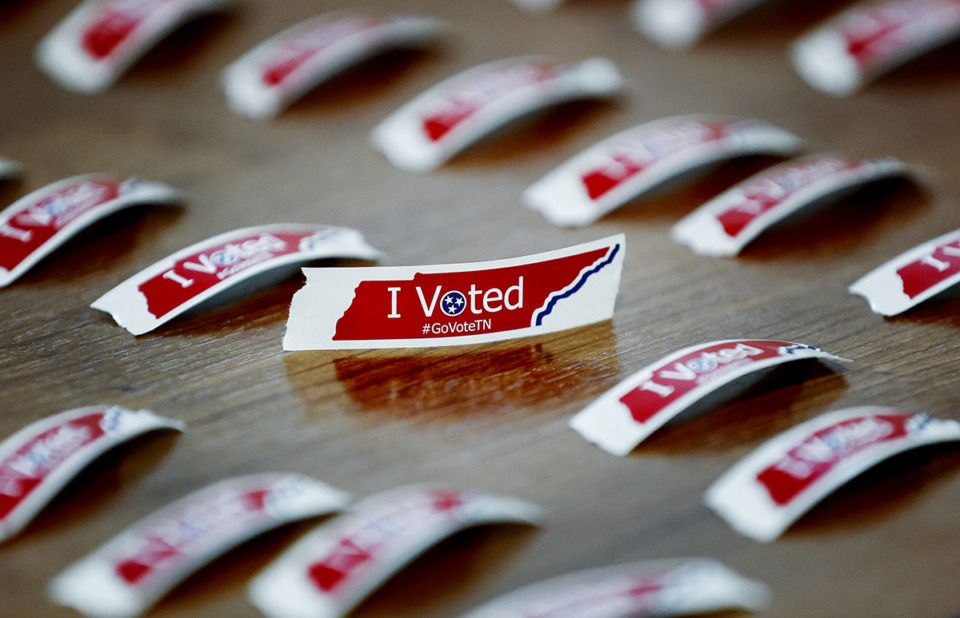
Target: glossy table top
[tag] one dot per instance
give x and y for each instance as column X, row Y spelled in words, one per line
column 490, row 416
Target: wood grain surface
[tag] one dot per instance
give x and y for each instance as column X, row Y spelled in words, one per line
column 492, row 416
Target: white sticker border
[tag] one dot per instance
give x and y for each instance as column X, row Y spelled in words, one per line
column 746, row 506
column 609, row 424
column 680, row 24
column 883, row 288
column 9, row 170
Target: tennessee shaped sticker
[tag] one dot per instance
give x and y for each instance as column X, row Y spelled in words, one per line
column 911, row 278
column 428, row 306
column 769, row 489
column 628, row 413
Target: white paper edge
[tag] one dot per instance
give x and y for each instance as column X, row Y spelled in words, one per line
column 538, row 6
column 883, row 289
column 679, row 24
column 9, row 169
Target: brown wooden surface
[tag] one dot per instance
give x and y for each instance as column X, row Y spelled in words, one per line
column 494, row 416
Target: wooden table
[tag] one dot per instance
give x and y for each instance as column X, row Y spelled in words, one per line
column 491, row 416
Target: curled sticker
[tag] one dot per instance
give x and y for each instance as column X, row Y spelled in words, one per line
column 657, row 588
column 626, row 414
column 142, row 564
column 36, row 224
column 772, row 487
column 331, row 570
column 456, row 304
column 40, row 459
column 100, row 39
column 159, row 293
column 870, row 39
column 262, row 82
column 912, row 277
column 643, row 158
column 681, row 23
column 434, row 126
column 726, row 224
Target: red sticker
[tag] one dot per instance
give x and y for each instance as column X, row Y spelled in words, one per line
column 30, row 225
column 821, row 452
column 940, row 265
column 100, row 39
column 912, row 277
column 495, row 300
column 35, row 225
column 631, row 159
column 129, row 573
column 463, row 101
column 642, row 403
column 192, row 275
column 37, row 461
column 871, row 38
column 424, row 133
column 768, row 490
column 31, row 464
column 763, row 194
column 331, row 570
column 456, row 304
column 115, row 22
